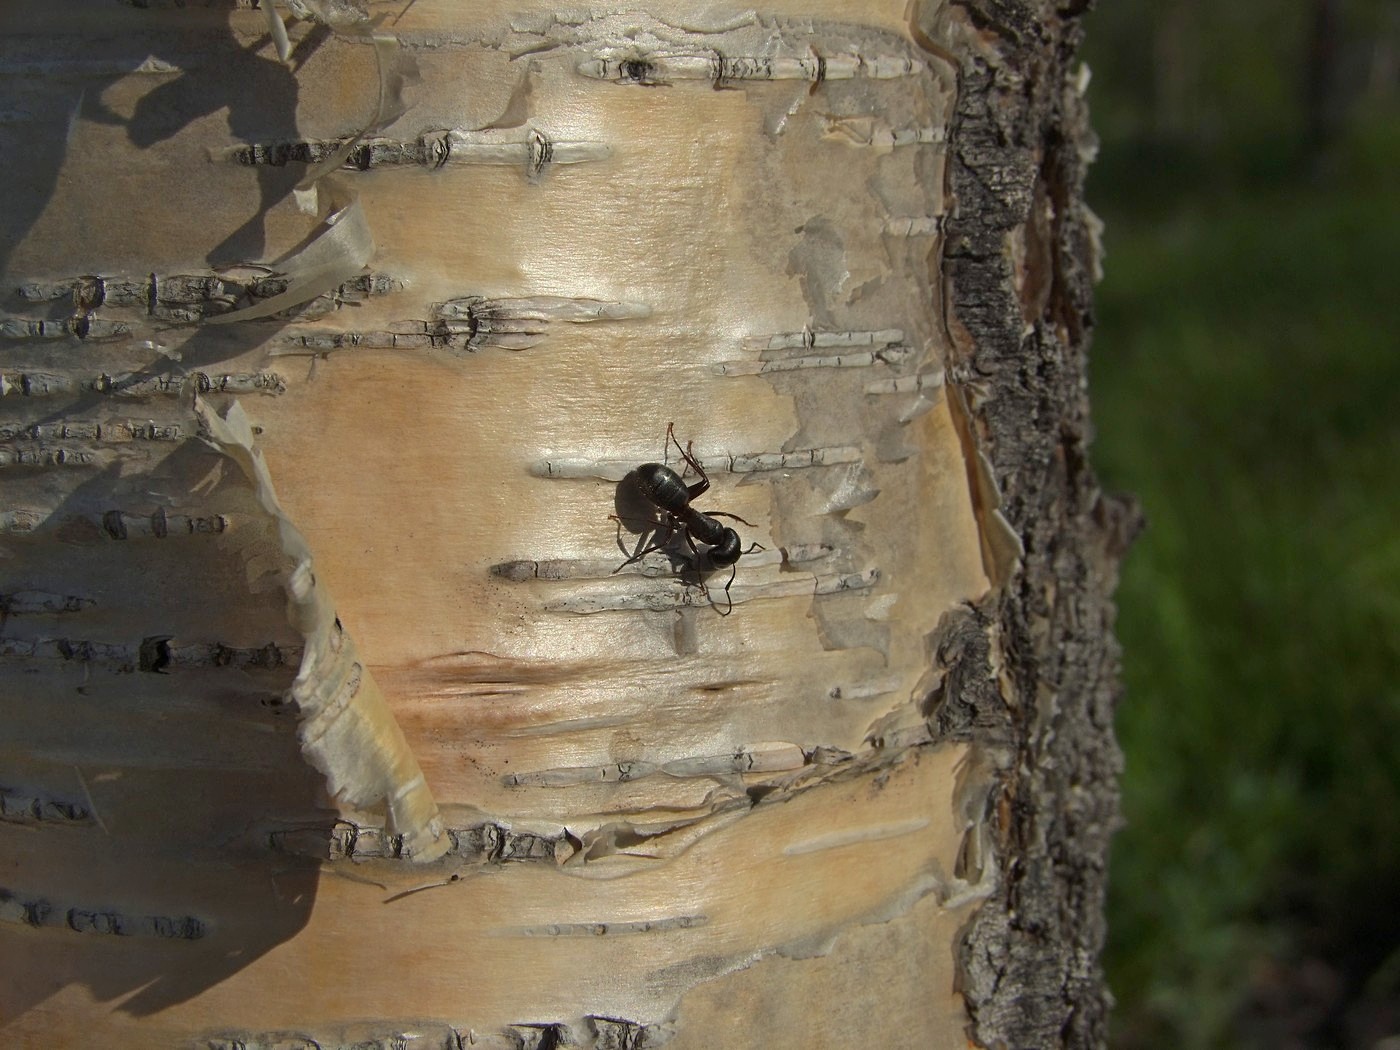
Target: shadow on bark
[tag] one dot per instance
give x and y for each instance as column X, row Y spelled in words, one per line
column 160, row 753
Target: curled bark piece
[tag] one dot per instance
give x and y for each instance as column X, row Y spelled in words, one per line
column 347, row 730
column 342, row 245
column 334, row 256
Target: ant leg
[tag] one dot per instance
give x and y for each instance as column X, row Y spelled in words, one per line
column 671, row 439
column 688, row 455
column 642, row 549
column 703, row 485
column 695, row 567
column 745, row 521
column 639, row 556
column 636, row 557
column 690, row 542
column 730, row 607
column 652, row 524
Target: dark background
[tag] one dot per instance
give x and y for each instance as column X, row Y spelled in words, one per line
column 1246, row 386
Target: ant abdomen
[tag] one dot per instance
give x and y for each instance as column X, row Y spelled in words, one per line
column 726, row 550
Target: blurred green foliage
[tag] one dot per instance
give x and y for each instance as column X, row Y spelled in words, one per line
column 1246, row 386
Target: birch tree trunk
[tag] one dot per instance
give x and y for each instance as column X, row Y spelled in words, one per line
column 356, row 691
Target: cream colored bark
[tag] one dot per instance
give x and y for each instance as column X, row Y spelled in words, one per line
column 639, row 820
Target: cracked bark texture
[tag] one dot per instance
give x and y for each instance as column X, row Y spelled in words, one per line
column 1019, row 262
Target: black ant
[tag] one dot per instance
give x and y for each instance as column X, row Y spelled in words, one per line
column 664, row 489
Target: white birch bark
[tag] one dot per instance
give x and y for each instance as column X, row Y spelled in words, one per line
column 332, row 713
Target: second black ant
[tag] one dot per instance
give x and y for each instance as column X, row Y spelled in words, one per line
column 665, row 490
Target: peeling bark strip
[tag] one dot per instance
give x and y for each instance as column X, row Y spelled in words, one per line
column 652, row 565
column 33, row 603
column 156, row 654
column 613, row 929
column 181, row 298
column 479, row 844
column 49, row 456
column 120, row 525
column 533, row 151
column 24, row 807
column 348, row 732
column 158, row 524
column 679, row 595
column 43, row 913
column 115, row 431
column 469, row 324
column 791, row 351
column 103, row 443
column 807, row 339
column 658, row 68
column 86, row 328
column 135, row 386
column 868, row 131
column 518, row 324
column 767, row 759
column 1017, row 152
column 907, row 384
column 744, row 463
column 915, row 226
column 591, row 1032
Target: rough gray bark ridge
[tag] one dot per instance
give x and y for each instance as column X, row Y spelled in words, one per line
column 1019, row 262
